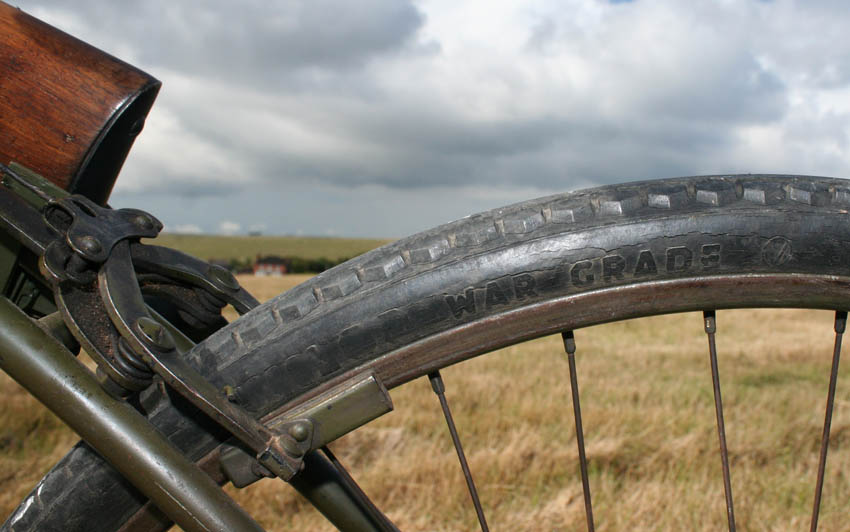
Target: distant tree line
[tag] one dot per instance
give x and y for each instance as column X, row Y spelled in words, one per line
column 293, row 264
column 300, row 265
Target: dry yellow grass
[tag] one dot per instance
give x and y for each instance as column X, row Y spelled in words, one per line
column 649, row 424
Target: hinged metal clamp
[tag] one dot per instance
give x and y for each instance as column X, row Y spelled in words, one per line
column 90, row 232
column 315, row 422
column 90, row 255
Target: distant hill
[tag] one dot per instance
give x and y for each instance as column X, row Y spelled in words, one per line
column 241, row 248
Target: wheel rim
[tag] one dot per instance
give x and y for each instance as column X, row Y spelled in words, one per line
column 607, row 305
column 595, row 307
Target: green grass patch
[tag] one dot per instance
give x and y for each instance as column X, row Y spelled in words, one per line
column 239, row 248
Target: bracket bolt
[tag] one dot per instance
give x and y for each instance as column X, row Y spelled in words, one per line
column 155, row 334
column 299, row 431
column 143, row 222
column 222, row 278
column 90, row 244
column 229, row 393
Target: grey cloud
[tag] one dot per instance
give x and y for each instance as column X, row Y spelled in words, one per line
column 181, row 185
column 155, row 178
column 342, row 96
column 264, row 40
column 418, row 149
column 551, row 154
column 738, row 92
column 542, row 33
column 665, row 117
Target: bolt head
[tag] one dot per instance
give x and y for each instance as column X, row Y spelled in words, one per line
column 222, row 278
column 90, row 244
column 154, row 334
column 143, row 222
column 299, row 432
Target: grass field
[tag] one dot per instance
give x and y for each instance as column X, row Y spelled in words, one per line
column 241, row 247
column 649, row 426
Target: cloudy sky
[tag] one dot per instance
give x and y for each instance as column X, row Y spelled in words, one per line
column 385, row 117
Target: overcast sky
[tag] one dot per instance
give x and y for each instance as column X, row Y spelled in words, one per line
column 385, row 117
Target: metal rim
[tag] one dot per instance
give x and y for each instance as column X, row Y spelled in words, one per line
column 592, row 308
column 582, row 310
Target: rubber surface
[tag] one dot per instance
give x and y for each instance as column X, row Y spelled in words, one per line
column 465, row 272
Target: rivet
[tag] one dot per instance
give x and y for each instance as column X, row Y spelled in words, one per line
column 90, row 244
column 143, row 222
column 154, row 334
column 299, row 432
column 222, row 277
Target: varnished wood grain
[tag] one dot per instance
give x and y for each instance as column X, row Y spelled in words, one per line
column 60, row 101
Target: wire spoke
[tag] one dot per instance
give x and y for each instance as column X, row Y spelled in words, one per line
column 840, row 323
column 440, row 389
column 710, row 329
column 570, row 347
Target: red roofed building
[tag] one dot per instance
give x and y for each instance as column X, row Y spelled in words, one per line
column 271, row 265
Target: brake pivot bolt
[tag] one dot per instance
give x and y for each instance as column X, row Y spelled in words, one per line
column 222, row 277
column 143, row 222
column 89, row 244
column 155, row 334
column 299, row 432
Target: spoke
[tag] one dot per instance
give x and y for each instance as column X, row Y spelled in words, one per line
column 570, row 347
column 840, row 323
column 710, row 329
column 440, row 389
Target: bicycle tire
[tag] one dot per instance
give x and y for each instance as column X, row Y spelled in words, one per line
column 486, row 281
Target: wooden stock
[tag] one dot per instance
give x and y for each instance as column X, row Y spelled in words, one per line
column 67, row 110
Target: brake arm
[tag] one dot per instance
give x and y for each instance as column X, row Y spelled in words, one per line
column 173, row 264
column 195, row 311
column 73, row 236
column 83, row 311
column 279, row 451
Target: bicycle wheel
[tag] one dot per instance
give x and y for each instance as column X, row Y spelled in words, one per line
column 487, row 281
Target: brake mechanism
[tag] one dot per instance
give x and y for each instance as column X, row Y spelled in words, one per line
column 91, row 255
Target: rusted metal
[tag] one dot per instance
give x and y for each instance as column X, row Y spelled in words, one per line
column 276, row 450
column 88, row 259
column 710, row 324
column 440, row 389
column 840, row 325
column 570, row 348
column 73, row 237
column 86, row 255
column 333, row 414
column 343, row 409
column 603, row 306
column 323, row 481
column 575, row 311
